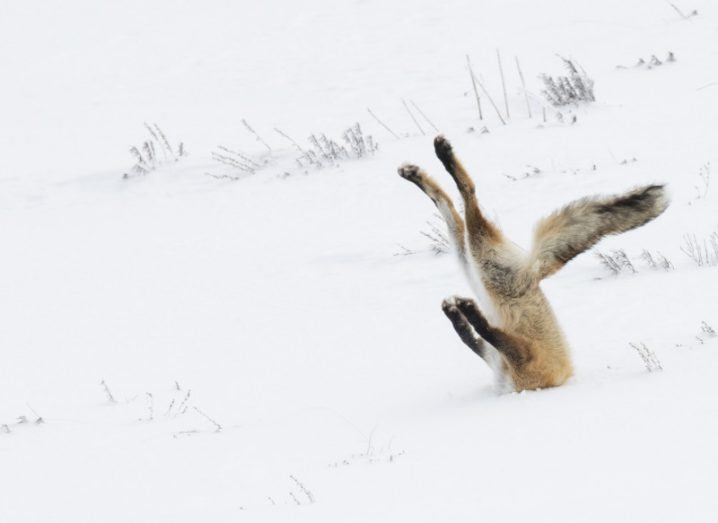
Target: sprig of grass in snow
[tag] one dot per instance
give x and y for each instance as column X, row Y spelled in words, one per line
column 650, row 360
column 153, row 152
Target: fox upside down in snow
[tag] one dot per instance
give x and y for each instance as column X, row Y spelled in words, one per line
column 519, row 336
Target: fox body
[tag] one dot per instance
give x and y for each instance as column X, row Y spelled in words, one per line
column 517, row 333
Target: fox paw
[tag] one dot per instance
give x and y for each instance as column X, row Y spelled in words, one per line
column 443, row 149
column 451, row 310
column 410, row 172
column 468, row 308
column 464, row 303
column 448, row 304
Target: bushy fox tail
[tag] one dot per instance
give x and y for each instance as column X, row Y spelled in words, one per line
column 579, row 225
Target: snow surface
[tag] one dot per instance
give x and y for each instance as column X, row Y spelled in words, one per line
column 280, row 301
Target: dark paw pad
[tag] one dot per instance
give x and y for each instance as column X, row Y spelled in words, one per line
column 410, row 172
column 468, row 308
column 464, row 303
column 443, row 149
column 452, row 312
column 448, row 305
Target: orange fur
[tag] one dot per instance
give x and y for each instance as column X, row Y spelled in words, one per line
column 525, row 334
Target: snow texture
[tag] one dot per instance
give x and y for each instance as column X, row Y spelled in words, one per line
column 269, row 346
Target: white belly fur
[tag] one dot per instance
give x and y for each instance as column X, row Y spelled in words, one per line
column 502, row 380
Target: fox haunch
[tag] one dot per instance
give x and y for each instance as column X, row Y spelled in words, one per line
column 518, row 334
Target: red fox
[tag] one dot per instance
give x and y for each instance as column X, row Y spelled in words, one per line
column 518, row 334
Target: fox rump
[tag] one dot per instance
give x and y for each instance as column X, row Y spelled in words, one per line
column 517, row 333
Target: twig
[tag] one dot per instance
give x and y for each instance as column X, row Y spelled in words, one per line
column 707, row 329
column 678, row 11
column 473, row 83
column 222, row 176
column 183, row 408
column 650, row 360
column 241, row 155
column 165, row 142
column 413, row 117
column 285, row 135
column 231, row 162
column 259, row 138
column 608, row 262
column 424, row 116
column 404, row 251
column 39, row 420
column 523, row 85
column 493, row 104
column 304, row 489
column 155, row 136
column 176, row 435
column 217, row 425
column 646, row 255
column 109, row 395
column 383, row 124
column 150, row 406
column 503, row 83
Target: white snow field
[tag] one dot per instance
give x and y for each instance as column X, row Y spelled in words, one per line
column 271, row 351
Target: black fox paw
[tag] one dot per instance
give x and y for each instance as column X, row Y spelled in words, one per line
column 464, row 303
column 468, row 308
column 448, row 304
column 450, row 309
column 443, row 149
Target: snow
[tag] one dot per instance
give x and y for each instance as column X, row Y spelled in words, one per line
column 280, row 302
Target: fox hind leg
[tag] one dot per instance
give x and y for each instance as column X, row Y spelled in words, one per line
column 445, row 153
column 479, row 230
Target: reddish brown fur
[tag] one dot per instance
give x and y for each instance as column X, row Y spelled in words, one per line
column 526, row 334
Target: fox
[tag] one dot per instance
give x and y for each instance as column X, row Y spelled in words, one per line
column 517, row 333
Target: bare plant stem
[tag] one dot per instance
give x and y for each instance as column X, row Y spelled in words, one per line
column 213, row 422
column 473, row 83
column 678, row 11
column 650, row 360
column 413, row 117
column 304, row 489
column 383, row 124
column 241, row 155
column 231, row 162
column 424, row 116
column 523, row 85
column 493, row 104
column 259, row 138
column 286, row 136
column 503, row 83
column 165, row 142
column 183, row 406
column 109, row 395
column 150, row 406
